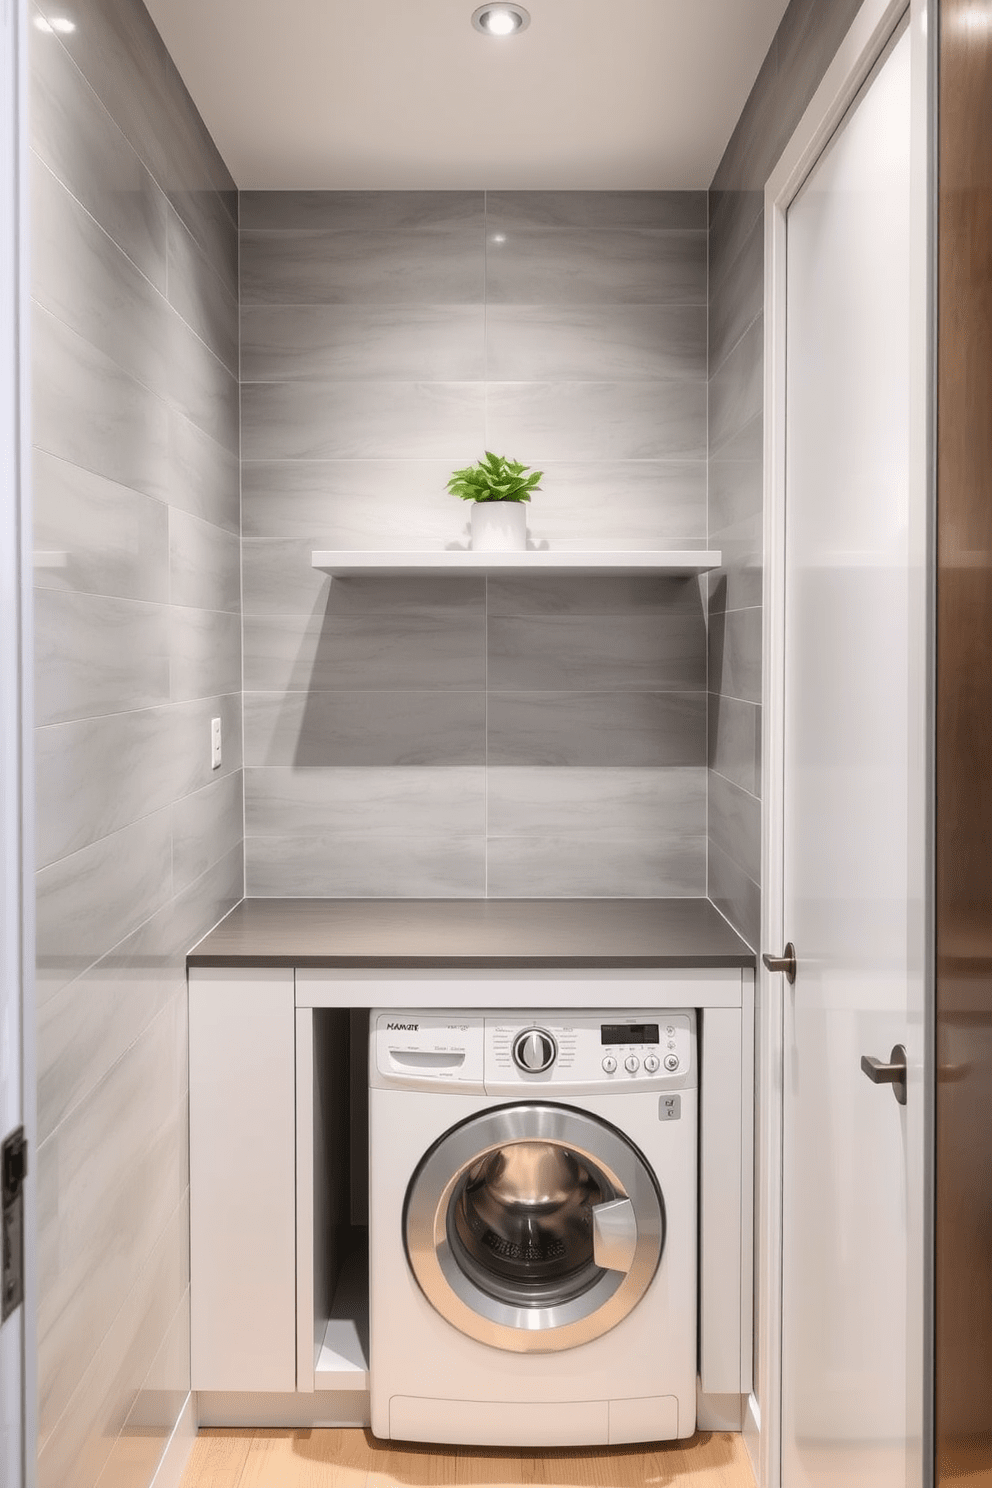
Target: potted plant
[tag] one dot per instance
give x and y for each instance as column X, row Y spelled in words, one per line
column 498, row 487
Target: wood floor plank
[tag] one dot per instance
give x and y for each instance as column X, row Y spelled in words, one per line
column 355, row 1459
column 310, row 1458
column 218, row 1459
column 710, row 1459
column 414, row 1465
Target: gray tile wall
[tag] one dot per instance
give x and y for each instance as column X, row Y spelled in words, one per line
column 797, row 59
column 425, row 737
column 138, row 627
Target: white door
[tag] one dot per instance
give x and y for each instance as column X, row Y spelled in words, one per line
column 16, row 806
column 850, row 772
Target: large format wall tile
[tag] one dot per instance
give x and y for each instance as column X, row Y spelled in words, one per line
column 738, row 299
column 381, row 803
column 600, row 868
column 597, row 653
column 612, row 210
column 539, row 421
column 363, row 420
column 204, row 564
column 205, row 827
column 383, row 211
column 596, row 728
column 619, row 595
column 734, row 894
column 575, row 343
column 92, row 899
column 204, row 478
column 77, row 139
column 352, row 865
column 799, row 55
column 735, row 824
column 615, row 804
column 96, row 775
column 733, row 216
column 200, row 295
column 734, row 741
column 736, row 497
column 395, row 504
column 399, row 504
column 87, row 410
column 205, row 652
column 345, row 343
column 98, row 655
column 376, row 266
column 158, row 1399
column 371, row 729
column 120, row 1365
column 424, row 647
column 93, row 536
column 735, row 654
column 620, row 504
column 736, row 389
column 409, row 833
column 574, row 266
column 569, row 332
column 138, row 647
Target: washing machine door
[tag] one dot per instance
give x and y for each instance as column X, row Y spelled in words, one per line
column 534, row 1227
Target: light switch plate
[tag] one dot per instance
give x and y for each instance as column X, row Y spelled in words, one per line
column 215, row 749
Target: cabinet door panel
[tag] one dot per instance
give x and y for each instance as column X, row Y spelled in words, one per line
column 242, row 1108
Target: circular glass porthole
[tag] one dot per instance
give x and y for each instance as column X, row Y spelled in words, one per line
column 534, row 1227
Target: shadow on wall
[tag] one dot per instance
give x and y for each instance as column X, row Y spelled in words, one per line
column 548, row 735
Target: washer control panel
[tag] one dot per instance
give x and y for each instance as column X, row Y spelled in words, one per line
column 586, row 1050
column 505, row 1052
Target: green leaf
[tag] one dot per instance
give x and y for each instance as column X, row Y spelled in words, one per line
column 495, row 478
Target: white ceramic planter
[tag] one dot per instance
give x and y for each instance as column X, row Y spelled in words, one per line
column 499, row 526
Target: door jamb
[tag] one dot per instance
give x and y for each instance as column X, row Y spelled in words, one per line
column 18, row 1347
column 857, row 54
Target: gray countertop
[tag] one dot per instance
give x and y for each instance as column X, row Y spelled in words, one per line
column 473, row 933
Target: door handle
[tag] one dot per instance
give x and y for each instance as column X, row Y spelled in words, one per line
column 786, row 962
column 614, row 1235
column 893, row 1073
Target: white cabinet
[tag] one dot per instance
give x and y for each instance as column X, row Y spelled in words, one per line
column 279, row 1168
column 242, row 1178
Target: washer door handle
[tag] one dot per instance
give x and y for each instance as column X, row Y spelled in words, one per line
column 614, row 1235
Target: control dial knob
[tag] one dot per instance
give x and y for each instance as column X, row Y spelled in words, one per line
column 534, row 1050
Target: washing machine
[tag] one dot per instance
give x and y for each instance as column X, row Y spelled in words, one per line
column 532, row 1226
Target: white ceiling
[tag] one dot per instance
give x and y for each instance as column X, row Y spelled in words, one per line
column 394, row 94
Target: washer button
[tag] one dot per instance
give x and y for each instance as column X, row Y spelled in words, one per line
column 671, row 1062
column 632, row 1064
column 651, row 1063
column 609, row 1064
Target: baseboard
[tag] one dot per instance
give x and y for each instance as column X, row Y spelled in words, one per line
column 272, row 1409
column 172, row 1463
column 751, row 1432
column 718, row 1412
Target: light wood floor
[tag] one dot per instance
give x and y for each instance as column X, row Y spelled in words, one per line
column 355, row 1459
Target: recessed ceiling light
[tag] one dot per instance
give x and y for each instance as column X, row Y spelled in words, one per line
column 500, row 20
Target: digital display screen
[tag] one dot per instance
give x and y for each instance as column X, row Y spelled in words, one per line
column 630, row 1033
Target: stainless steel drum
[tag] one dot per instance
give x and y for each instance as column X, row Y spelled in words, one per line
column 534, row 1227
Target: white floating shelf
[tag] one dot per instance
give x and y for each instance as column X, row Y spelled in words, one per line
column 346, row 564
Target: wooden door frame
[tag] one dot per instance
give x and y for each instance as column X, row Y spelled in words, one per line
column 963, row 817
column 18, row 1352
column 858, row 53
